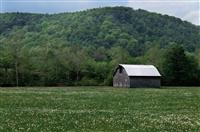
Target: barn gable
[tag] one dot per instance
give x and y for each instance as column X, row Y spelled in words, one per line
column 121, row 78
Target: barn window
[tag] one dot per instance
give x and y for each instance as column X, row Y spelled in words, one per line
column 120, row 69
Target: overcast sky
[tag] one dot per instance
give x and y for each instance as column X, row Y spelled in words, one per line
column 185, row 9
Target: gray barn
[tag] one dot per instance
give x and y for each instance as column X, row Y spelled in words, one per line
column 136, row 76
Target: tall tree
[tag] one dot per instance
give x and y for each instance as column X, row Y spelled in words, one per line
column 176, row 66
column 15, row 46
column 154, row 56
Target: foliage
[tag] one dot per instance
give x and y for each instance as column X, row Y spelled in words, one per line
column 178, row 68
column 83, row 48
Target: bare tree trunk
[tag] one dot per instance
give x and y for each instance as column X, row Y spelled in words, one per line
column 56, row 72
column 16, row 73
column 46, row 65
column 6, row 71
column 67, row 75
column 77, row 75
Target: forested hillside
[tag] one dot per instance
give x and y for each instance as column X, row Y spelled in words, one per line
column 83, row 48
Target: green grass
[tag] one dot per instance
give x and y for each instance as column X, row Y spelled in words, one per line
column 99, row 109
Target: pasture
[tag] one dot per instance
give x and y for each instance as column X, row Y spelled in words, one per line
column 99, row 109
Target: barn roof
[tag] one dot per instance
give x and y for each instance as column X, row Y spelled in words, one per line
column 141, row 70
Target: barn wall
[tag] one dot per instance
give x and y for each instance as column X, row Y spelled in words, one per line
column 145, row 82
column 121, row 79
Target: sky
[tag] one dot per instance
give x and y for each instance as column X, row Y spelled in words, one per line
column 185, row 9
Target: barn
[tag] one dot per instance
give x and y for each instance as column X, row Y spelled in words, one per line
column 134, row 76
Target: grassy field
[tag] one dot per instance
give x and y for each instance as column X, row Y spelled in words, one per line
column 99, row 109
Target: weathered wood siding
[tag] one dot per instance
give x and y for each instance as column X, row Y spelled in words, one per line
column 121, row 79
column 153, row 82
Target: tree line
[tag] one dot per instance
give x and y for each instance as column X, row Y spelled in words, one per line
column 52, row 64
column 84, row 48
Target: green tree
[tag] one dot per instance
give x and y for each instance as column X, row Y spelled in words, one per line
column 78, row 59
column 177, row 67
column 154, row 56
column 15, row 46
column 193, row 69
column 118, row 55
column 198, row 56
